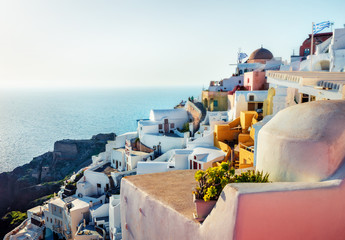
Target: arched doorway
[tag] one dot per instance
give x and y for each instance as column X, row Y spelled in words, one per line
column 324, row 65
column 206, row 103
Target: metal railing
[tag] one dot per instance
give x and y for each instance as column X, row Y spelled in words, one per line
column 16, row 230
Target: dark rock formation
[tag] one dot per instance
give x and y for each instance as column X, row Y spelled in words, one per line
column 45, row 173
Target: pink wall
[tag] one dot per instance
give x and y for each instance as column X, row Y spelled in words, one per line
column 244, row 211
column 144, row 217
column 255, row 80
column 301, row 214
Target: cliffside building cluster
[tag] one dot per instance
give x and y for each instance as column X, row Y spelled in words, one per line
column 284, row 119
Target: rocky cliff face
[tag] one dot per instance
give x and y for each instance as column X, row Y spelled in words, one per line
column 44, row 174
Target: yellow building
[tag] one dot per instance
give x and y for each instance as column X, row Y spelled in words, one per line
column 215, row 101
column 237, row 139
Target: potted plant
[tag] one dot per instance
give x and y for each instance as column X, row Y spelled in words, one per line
column 212, row 181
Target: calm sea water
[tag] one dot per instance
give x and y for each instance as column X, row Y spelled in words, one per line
column 31, row 121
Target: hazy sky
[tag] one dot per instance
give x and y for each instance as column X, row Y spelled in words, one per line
column 71, row 43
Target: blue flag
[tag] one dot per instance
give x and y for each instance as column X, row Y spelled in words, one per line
column 242, row 56
column 320, row 26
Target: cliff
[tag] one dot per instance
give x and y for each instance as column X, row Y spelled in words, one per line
column 45, row 173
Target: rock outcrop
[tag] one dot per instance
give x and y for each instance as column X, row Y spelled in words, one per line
column 45, row 173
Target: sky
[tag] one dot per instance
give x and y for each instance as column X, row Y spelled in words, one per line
column 133, row 43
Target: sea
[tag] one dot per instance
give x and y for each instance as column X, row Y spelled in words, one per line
column 32, row 120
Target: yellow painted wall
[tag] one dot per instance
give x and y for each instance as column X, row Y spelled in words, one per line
column 211, row 97
column 246, row 119
column 268, row 103
column 229, row 132
column 225, row 131
column 246, row 158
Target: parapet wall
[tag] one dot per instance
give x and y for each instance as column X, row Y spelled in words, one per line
column 289, row 210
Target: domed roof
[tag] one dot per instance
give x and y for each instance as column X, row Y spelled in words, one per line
column 305, row 142
column 261, row 53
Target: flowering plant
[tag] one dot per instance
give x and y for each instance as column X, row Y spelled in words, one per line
column 212, row 181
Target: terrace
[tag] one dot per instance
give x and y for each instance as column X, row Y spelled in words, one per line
column 106, row 169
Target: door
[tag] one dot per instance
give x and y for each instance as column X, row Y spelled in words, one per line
column 251, row 106
column 166, row 125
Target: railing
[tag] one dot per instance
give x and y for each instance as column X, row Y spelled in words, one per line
column 67, row 234
column 16, row 230
column 21, row 227
column 57, row 228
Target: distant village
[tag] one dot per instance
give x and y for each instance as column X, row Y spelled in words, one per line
column 283, row 118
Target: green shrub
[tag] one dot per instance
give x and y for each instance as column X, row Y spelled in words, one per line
column 212, row 181
column 16, row 217
column 185, row 127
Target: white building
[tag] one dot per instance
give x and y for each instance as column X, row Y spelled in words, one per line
column 246, row 101
column 111, row 146
column 133, row 157
column 227, row 84
column 31, row 228
column 161, row 133
column 293, row 87
column 271, row 64
column 118, row 159
column 197, row 158
column 211, row 119
column 329, row 55
column 63, row 216
column 203, row 158
column 115, row 217
column 163, row 121
column 176, row 159
column 96, row 181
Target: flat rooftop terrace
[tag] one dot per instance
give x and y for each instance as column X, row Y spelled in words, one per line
column 175, row 192
column 173, row 189
column 106, row 169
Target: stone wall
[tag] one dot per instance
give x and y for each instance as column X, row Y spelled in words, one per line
column 195, row 114
column 65, row 150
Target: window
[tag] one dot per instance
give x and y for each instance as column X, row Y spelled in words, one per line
column 172, row 125
column 160, row 126
column 260, row 105
column 215, row 103
column 190, row 164
column 199, row 166
column 247, row 80
column 47, row 219
column 195, row 165
column 239, row 81
column 306, row 52
column 60, row 210
column 54, row 208
column 51, row 220
column 99, row 185
column 251, row 97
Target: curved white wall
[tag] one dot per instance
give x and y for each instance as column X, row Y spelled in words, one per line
column 305, row 142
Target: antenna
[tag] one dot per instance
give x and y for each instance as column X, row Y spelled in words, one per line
column 238, row 55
